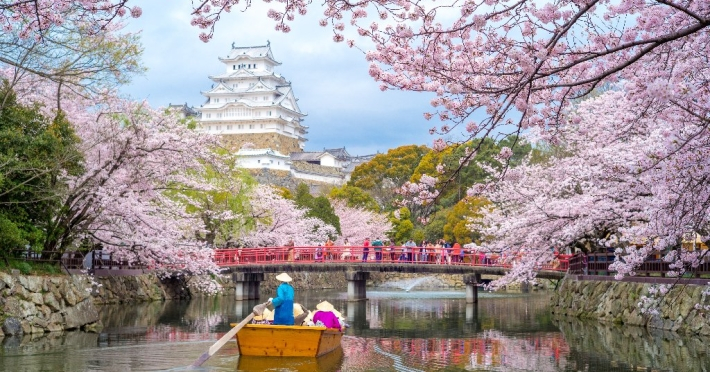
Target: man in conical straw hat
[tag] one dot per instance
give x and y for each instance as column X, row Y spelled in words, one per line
column 325, row 316
column 283, row 302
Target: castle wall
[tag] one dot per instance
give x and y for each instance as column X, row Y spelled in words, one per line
column 274, row 141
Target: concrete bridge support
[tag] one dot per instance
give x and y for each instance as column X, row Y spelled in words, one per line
column 247, row 285
column 357, row 284
column 472, row 281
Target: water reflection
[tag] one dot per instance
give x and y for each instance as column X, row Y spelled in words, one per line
column 392, row 331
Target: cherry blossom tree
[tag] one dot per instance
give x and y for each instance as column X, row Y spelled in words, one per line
column 132, row 156
column 277, row 219
column 631, row 179
column 357, row 223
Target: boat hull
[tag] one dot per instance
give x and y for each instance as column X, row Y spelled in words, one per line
column 332, row 361
column 287, row 341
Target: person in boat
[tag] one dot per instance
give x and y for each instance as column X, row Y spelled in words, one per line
column 325, row 316
column 283, row 302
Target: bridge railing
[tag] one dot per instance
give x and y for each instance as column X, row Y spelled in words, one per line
column 341, row 254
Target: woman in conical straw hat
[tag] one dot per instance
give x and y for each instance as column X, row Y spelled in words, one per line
column 283, row 302
column 325, row 316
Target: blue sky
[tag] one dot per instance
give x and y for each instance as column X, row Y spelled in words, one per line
column 344, row 104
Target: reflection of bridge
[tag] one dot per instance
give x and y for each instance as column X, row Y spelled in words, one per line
column 248, row 265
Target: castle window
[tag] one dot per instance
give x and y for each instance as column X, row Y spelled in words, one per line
column 251, row 126
column 209, row 127
column 234, row 67
column 262, row 126
column 269, row 113
column 258, row 160
column 229, row 127
column 241, row 126
column 255, row 65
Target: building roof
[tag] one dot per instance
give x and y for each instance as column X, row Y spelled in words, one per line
column 339, row 153
column 305, row 156
column 251, row 52
column 261, row 152
column 184, row 109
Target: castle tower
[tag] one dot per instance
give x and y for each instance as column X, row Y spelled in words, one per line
column 250, row 103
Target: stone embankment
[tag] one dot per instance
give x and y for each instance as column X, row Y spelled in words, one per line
column 35, row 304
column 618, row 302
column 39, row 304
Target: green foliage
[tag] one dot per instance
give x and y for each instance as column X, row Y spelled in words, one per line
column 228, row 197
column 434, row 230
column 24, row 267
column 303, row 197
column 386, row 172
column 324, row 211
column 34, row 152
column 354, row 197
column 457, row 227
column 317, row 207
column 401, row 227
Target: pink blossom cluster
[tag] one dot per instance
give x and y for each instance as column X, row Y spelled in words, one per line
column 277, row 219
column 31, row 19
column 356, row 224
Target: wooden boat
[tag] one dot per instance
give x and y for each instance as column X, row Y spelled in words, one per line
column 287, row 341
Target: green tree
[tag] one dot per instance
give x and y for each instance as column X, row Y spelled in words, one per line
column 434, row 229
column 458, row 224
column 221, row 208
column 34, row 153
column 401, row 225
column 354, row 197
column 386, row 172
column 318, row 207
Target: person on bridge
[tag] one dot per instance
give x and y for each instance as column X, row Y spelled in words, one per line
column 289, row 249
column 283, row 302
column 377, row 246
column 365, row 249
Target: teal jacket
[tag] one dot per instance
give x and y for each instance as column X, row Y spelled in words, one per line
column 283, row 305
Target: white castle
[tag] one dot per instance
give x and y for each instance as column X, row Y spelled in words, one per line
column 256, row 113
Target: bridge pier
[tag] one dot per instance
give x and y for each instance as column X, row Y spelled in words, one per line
column 247, row 285
column 472, row 281
column 357, row 284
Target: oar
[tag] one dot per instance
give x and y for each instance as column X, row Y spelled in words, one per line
column 258, row 310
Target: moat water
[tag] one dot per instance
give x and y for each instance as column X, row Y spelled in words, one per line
column 395, row 330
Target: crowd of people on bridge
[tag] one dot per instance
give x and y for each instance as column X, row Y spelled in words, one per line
column 386, row 250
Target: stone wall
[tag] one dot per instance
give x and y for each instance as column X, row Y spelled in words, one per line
column 140, row 288
column 275, row 141
column 617, row 302
column 38, row 304
column 35, row 304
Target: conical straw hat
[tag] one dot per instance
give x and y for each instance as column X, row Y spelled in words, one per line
column 325, row 306
column 283, row 277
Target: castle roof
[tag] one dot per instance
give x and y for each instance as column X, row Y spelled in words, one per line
column 258, row 52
